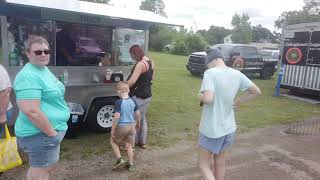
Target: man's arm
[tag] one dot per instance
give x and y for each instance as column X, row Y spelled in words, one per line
column 206, row 97
column 5, row 98
column 252, row 92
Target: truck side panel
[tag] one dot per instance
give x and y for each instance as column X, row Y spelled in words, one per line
column 301, row 60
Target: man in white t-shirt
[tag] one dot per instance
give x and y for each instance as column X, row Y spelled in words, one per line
column 5, row 105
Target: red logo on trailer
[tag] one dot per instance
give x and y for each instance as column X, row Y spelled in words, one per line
column 293, row 55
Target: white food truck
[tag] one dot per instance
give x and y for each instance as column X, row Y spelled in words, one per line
column 97, row 38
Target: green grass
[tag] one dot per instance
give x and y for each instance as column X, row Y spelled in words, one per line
column 174, row 112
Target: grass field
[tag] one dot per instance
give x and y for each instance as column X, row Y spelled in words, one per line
column 174, row 113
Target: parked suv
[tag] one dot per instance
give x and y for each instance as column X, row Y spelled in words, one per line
column 243, row 57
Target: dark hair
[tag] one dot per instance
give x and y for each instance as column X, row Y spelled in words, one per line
column 33, row 39
column 137, row 51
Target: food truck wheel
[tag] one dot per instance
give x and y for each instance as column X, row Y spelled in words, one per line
column 101, row 115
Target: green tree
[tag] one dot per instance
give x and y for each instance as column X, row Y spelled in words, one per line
column 277, row 36
column 259, row 32
column 98, row 1
column 159, row 36
column 310, row 13
column 156, row 6
column 312, row 7
column 180, row 48
column 214, row 35
column 241, row 32
column 194, row 43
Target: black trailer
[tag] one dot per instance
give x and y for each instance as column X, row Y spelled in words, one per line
column 300, row 58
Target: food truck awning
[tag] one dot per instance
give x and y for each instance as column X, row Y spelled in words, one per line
column 94, row 13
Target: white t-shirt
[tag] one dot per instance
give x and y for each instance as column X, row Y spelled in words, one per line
column 218, row 119
column 4, row 81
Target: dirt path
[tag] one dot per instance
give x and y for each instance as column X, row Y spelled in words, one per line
column 266, row 154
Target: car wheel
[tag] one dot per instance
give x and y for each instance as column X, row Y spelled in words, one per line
column 101, row 115
column 266, row 73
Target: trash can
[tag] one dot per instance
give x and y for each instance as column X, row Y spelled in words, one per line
column 76, row 110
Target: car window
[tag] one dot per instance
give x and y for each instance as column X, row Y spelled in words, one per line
column 238, row 49
column 266, row 53
column 273, row 54
column 250, row 51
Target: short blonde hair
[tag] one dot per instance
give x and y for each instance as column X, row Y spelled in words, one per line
column 123, row 86
column 33, row 39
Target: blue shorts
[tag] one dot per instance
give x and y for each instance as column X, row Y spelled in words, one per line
column 216, row 145
column 42, row 150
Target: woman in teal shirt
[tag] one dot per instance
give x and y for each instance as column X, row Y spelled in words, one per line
column 43, row 115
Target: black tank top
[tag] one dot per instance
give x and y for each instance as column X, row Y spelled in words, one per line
column 142, row 87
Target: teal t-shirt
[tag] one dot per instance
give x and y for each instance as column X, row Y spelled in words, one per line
column 218, row 119
column 38, row 83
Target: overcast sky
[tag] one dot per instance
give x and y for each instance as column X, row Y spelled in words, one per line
column 201, row 14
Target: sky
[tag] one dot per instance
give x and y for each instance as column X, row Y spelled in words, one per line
column 201, row 14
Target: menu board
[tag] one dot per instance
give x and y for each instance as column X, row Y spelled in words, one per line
column 127, row 38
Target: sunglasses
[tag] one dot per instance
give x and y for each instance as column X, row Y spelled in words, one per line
column 39, row 52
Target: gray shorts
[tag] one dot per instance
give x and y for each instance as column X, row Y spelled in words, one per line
column 216, row 145
column 42, row 150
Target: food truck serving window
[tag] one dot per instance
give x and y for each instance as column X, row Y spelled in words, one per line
column 74, row 44
column 82, row 45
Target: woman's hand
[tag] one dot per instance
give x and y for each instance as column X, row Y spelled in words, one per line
column 137, row 126
column 5, row 98
column 3, row 118
column 53, row 133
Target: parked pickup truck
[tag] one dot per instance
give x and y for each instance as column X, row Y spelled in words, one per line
column 245, row 58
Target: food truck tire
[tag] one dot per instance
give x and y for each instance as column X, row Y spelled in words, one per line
column 101, row 115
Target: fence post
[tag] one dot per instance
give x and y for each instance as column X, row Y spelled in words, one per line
column 281, row 71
